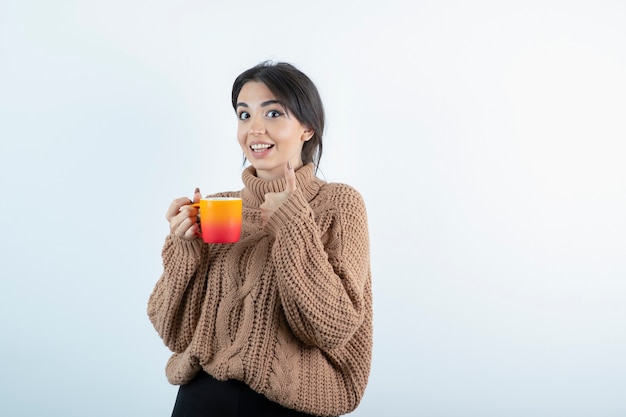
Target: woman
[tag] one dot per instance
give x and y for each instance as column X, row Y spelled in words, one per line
column 279, row 323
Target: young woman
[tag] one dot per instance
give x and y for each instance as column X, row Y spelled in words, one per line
column 279, row 323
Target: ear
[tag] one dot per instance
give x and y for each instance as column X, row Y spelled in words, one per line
column 307, row 134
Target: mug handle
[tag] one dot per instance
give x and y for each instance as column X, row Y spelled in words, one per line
column 197, row 205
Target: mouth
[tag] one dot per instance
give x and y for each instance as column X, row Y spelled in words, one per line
column 260, row 147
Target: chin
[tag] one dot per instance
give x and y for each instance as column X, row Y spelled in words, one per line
column 261, row 164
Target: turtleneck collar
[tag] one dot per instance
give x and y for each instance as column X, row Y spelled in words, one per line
column 255, row 188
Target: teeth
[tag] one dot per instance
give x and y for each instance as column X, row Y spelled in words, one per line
column 260, row 146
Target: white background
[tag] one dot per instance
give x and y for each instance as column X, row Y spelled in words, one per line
column 487, row 138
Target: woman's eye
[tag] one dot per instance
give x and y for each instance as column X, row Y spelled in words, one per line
column 273, row 113
column 244, row 115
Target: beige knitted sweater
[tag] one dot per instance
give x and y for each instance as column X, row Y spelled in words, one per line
column 287, row 309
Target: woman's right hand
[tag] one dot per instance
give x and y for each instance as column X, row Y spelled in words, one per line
column 183, row 217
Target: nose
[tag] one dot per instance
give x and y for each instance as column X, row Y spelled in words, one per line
column 257, row 127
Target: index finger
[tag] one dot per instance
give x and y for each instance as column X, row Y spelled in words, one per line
column 290, row 178
column 176, row 205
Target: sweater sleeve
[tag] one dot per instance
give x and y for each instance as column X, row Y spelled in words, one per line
column 322, row 279
column 174, row 305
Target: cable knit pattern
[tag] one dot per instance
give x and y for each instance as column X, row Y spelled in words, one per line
column 287, row 309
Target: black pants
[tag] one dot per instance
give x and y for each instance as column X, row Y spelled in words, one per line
column 205, row 396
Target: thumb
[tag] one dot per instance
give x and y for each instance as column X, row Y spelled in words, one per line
column 290, row 178
column 196, row 195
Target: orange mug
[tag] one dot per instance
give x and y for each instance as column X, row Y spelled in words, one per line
column 220, row 219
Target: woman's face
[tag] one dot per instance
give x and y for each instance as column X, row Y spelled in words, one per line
column 268, row 135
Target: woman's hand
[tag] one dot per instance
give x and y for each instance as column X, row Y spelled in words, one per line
column 183, row 217
column 274, row 200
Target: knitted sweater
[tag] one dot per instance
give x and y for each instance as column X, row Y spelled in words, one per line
column 287, row 309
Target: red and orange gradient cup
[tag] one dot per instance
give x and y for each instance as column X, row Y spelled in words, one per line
column 220, row 219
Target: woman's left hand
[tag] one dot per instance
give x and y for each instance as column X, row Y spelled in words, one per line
column 274, row 200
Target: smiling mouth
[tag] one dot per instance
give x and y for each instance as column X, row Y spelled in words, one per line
column 260, row 147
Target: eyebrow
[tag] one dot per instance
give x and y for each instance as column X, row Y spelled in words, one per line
column 264, row 104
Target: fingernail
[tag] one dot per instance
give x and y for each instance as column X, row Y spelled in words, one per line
column 289, row 165
column 197, row 190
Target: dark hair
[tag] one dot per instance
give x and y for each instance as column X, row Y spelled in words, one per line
column 298, row 93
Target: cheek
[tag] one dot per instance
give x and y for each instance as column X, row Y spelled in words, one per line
column 289, row 136
column 241, row 138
